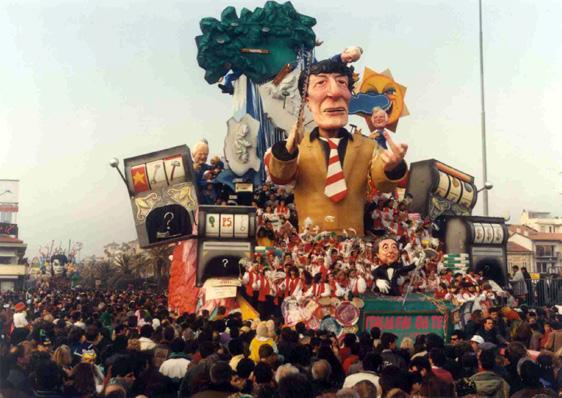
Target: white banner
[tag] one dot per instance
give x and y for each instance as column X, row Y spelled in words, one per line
column 219, row 292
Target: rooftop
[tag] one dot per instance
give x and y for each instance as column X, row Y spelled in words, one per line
column 550, row 236
column 521, row 229
column 9, row 239
column 513, row 247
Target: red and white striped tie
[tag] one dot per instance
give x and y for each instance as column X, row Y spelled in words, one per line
column 336, row 189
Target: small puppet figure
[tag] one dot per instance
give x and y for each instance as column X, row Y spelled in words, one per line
column 379, row 119
column 390, row 269
column 349, row 55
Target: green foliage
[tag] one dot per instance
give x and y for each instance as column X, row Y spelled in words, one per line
column 276, row 27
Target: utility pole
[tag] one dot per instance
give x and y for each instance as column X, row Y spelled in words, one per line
column 483, row 114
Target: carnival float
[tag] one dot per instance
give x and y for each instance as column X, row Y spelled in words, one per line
column 365, row 236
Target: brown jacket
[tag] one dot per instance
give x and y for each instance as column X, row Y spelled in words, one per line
column 361, row 163
column 554, row 342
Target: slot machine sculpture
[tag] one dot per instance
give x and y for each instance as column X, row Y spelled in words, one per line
column 226, row 234
column 438, row 189
column 163, row 195
column 479, row 243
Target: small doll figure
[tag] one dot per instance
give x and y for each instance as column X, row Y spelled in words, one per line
column 379, row 119
column 390, row 269
column 349, row 55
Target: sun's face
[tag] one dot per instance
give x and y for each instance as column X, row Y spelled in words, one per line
column 383, row 84
column 378, row 83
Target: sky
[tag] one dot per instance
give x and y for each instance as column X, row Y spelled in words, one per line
column 82, row 82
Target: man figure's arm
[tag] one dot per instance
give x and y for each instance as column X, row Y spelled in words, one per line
column 283, row 159
column 388, row 166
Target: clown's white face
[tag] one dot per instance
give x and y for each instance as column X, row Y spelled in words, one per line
column 328, row 98
column 388, row 251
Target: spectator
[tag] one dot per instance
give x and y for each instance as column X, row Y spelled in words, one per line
column 371, row 365
column 220, row 376
column 122, row 373
column 175, row 367
column 47, row 380
column 145, row 340
column 530, row 375
column 489, row 333
column 21, row 358
column 389, row 357
column 438, row 360
column 365, row 389
column 243, row 374
column 84, row 384
column 487, row 382
column 321, row 372
column 295, row 385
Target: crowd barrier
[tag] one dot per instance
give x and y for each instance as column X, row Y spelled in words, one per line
column 539, row 293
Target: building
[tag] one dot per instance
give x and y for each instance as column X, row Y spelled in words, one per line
column 541, row 221
column 519, row 256
column 12, row 249
column 540, row 250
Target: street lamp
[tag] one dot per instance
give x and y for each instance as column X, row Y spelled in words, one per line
column 487, row 186
column 114, row 162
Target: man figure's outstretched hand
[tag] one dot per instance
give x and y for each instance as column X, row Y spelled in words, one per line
column 294, row 139
column 393, row 156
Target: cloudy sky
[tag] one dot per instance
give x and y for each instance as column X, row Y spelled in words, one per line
column 84, row 81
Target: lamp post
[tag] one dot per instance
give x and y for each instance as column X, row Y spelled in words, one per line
column 483, row 113
column 114, row 162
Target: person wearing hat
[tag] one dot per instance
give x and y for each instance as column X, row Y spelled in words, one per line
column 262, row 337
column 475, row 342
column 20, row 316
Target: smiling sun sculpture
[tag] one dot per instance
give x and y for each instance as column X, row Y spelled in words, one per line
column 379, row 90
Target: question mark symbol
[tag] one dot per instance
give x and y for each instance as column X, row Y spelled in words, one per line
column 168, row 217
column 225, row 262
column 212, row 221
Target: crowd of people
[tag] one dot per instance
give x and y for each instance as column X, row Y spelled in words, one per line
column 118, row 344
column 62, row 342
